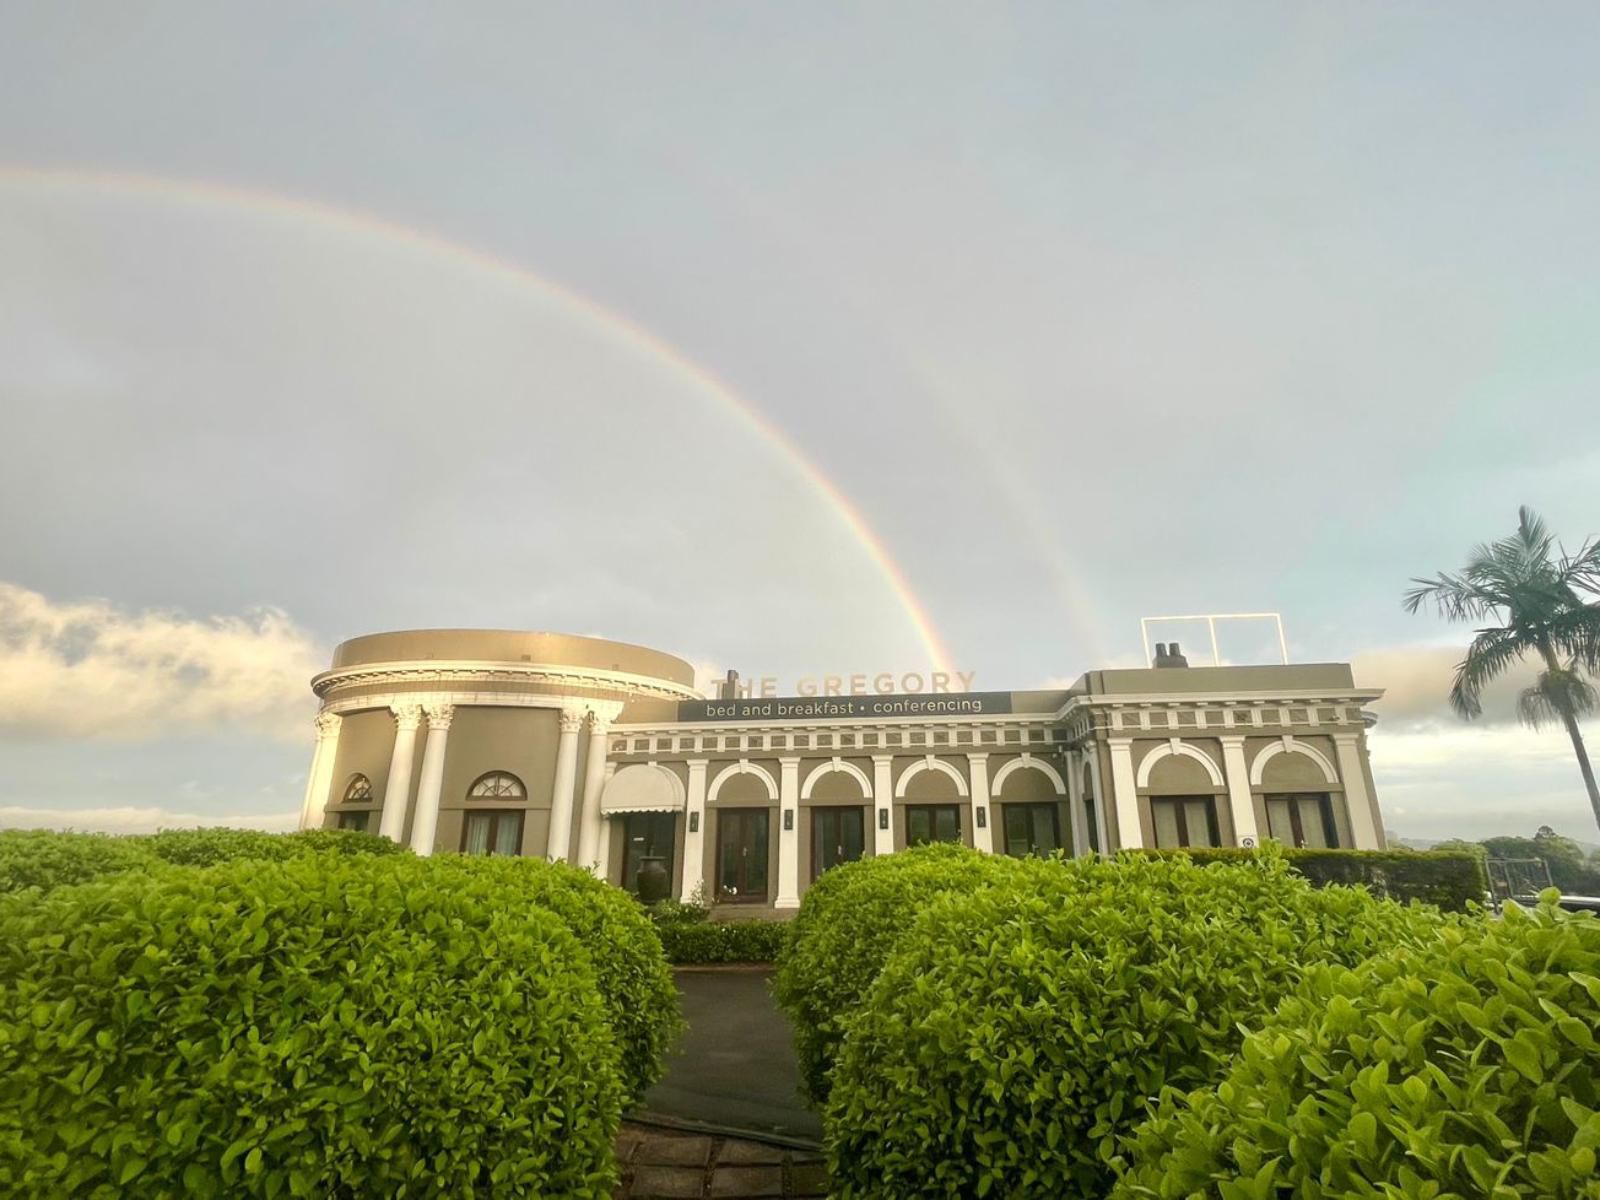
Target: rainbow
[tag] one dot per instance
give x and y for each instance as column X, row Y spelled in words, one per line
column 631, row 334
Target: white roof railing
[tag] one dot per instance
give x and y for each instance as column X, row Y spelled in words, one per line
column 1211, row 620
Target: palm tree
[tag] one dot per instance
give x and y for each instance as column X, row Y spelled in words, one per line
column 1540, row 597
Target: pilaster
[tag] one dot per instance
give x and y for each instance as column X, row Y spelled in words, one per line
column 883, row 804
column 694, row 831
column 1240, row 802
column 1357, row 799
column 1125, row 794
column 788, row 833
column 982, row 814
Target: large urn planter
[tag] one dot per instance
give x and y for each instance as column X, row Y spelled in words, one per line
column 653, row 882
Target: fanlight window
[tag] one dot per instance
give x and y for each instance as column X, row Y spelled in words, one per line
column 359, row 791
column 497, row 785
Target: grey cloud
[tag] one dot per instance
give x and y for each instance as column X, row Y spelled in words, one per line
column 1416, row 682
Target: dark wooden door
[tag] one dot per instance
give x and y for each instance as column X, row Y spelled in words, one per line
column 742, row 854
column 838, row 835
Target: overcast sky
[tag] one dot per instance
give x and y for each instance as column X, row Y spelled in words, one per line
column 318, row 320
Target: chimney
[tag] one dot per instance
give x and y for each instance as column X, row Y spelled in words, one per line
column 1168, row 655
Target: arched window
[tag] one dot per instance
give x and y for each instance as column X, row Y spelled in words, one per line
column 358, row 790
column 493, row 830
column 497, row 785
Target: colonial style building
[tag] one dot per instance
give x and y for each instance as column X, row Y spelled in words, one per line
column 605, row 754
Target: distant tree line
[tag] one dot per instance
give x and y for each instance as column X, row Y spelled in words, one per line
column 1572, row 869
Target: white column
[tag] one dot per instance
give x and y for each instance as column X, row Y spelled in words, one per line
column 557, row 846
column 591, row 825
column 1125, row 794
column 321, row 777
column 426, row 822
column 883, row 802
column 607, row 824
column 1097, row 810
column 397, row 791
column 1357, row 800
column 978, row 772
column 788, row 834
column 1240, row 802
column 1080, row 825
column 694, row 831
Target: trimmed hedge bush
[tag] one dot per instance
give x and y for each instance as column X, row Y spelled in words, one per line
column 691, row 944
column 46, row 859
column 1469, row 1067
column 323, row 1027
column 207, row 847
column 630, row 968
column 1448, row 879
column 849, row 922
column 1017, row 1033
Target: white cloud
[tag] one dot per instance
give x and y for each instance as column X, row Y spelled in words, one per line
column 131, row 819
column 86, row 669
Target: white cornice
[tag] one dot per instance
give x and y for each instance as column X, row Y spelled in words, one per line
column 811, row 725
column 600, row 710
column 1239, row 698
column 480, row 676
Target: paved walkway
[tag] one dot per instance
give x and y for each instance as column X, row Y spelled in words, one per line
column 727, row 1121
column 734, row 1069
column 662, row 1164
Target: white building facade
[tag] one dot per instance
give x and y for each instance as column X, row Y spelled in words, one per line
column 606, row 755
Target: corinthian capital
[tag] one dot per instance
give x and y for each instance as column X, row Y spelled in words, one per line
column 572, row 718
column 407, row 717
column 440, row 715
column 327, row 724
column 601, row 714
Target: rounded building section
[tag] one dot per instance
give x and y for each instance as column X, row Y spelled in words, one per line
column 479, row 740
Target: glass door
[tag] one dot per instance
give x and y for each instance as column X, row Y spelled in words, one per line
column 1302, row 820
column 647, row 835
column 742, row 854
column 838, row 835
column 1032, row 829
column 932, row 823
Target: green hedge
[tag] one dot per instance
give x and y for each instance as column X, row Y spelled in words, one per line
column 688, row 944
column 1017, row 1032
column 848, row 923
column 45, row 859
column 1469, row 1067
column 207, row 847
column 324, row 1027
column 630, row 968
column 1447, row 879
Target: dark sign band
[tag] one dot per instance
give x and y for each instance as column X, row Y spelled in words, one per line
column 836, row 708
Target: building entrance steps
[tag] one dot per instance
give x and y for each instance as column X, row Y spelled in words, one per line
column 670, row 1164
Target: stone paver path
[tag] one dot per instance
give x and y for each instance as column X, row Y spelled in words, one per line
column 664, row 1164
column 735, row 1068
